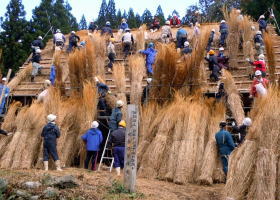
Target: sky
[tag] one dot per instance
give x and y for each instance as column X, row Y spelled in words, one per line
column 90, row 8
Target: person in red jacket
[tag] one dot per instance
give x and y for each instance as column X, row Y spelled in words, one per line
column 259, row 86
column 259, row 65
column 175, row 21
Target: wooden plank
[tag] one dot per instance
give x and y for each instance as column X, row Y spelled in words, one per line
column 131, row 141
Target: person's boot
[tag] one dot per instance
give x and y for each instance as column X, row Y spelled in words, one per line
column 46, row 165
column 32, row 78
column 57, row 164
column 39, row 71
column 118, row 170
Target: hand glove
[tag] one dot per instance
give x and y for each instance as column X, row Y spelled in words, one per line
column 109, row 92
column 233, row 123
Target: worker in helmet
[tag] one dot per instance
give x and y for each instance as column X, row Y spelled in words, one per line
column 123, row 25
column 37, row 44
column 128, row 42
column 146, row 91
column 175, row 21
column 181, row 37
column 150, row 54
column 258, row 65
column 186, row 50
column 42, row 97
column 116, row 116
column 50, row 134
column 107, row 30
column 223, row 60
column 259, row 43
column 225, row 145
column 166, row 33
column 259, row 85
column 224, row 33
column 73, row 41
column 102, row 89
column 117, row 141
column 210, row 40
column 262, row 24
column 111, row 54
column 155, row 25
column 92, row 27
column 36, row 67
column 3, row 86
column 93, row 139
column 242, row 130
column 213, row 65
column 59, row 39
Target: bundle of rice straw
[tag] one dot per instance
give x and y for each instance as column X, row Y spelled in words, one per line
column 20, row 76
column 268, row 40
column 59, row 72
column 140, row 37
column 9, row 124
column 137, row 71
column 99, row 45
column 233, row 98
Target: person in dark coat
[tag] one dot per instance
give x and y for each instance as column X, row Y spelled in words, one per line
column 224, row 33
column 186, row 50
column 36, row 67
column 117, row 141
column 259, row 43
column 146, row 91
column 242, row 130
column 102, row 89
column 92, row 27
column 210, row 40
column 213, row 66
column 93, row 139
column 107, row 29
column 222, row 59
column 73, row 41
column 182, row 37
column 116, row 116
column 262, row 24
column 225, row 145
column 37, row 44
column 50, row 134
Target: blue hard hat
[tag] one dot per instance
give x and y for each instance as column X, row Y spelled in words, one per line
column 151, row 45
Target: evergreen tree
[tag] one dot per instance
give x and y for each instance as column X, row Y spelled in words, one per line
column 15, row 38
column 124, row 15
column 147, row 17
column 160, row 15
column 111, row 13
column 190, row 16
column 72, row 20
column 138, row 20
column 119, row 17
column 83, row 23
column 131, row 20
column 176, row 13
column 101, row 21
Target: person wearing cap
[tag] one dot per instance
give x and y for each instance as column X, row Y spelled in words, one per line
column 181, row 37
column 150, row 54
column 128, row 42
column 259, row 43
column 92, row 27
column 242, row 130
column 155, row 25
column 225, row 145
column 123, row 25
column 258, row 65
column 59, row 39
column 102, row 89
column 116, row 116
column 36, row 67
column 111, row 54
column 50, row 134
column 210, row 40
column 166, row 33
column 37, row 44
column 73, row 41
column 3, row 86
column 117, row 141
column 262, row 24
column 223, row 60
column 175, row 21
column 259, row 85
column 42, row 97
column 213, row 65
column 93, row 139
column 146, row 91
column 186, row 50
column 224, row 33
column 107, row 30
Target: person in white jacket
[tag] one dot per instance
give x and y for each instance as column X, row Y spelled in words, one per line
column 128, row 42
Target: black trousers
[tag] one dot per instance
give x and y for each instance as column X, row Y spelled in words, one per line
column 126, row 48
column 50, row 148
column 93, row 156
column 111, row 57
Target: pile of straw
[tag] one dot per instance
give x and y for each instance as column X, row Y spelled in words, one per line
column 140, row 37
column 268, row 40
column 20, row 76
column 59, row 72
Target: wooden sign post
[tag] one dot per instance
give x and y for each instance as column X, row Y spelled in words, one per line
column 131, row 141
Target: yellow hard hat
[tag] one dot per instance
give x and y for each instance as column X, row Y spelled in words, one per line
column 211, row 52
column 112, row 39
column 122, row 123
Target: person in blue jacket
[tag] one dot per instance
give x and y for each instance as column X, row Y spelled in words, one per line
column 107, row 30
column 116, row 116
column 224, row 33
column 150, row 58
column 93, row 139
column 225, row 145
column 6, row 94
column 123, row 25
column 262, row 23
column 181, row 37
column 52, row 74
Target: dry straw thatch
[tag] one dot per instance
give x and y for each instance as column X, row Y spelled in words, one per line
column 268, row 40
column 140, row 37
column 20, row 76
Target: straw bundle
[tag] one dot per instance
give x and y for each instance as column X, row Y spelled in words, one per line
column 8, row 123
column 99, row 45
column 20, row 76
column 59, row 72
column 140, row 37
column 137, row 71
column 278, row 180
column 264, row 183
column 234, row 100
column 268, row 40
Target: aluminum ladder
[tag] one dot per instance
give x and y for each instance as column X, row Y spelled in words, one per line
column 103, row 157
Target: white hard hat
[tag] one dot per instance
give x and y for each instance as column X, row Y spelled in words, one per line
column 247, row 121
column 262, row 17
column 58, row 31
column 127, row 29
column 223, row 21
column 238, row 11
column 186, row 44
column 4, row 79
column 73, row 32
column 221, row 49
column 94, row 124
column 261, row 57
column 149, row 80
column 123, row 20
column 167, row 22
column 259, row 33
column 213, row 30
column 258, row 73
column 40, row 37
column 47, row 83
column 174, row 15
column 51, row 117
column 108, row 23
column 119, row 103
column 253, row 28
column 38, row 51
column 96, row 79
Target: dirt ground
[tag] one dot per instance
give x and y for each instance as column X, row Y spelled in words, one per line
column 105, row 185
